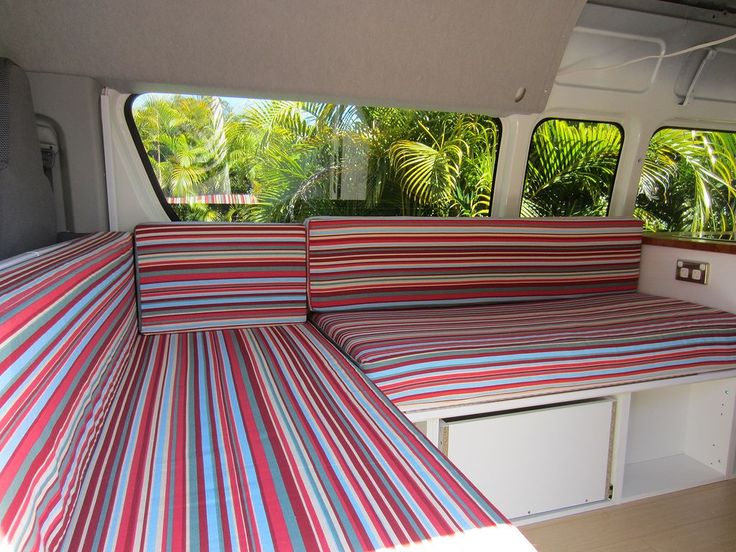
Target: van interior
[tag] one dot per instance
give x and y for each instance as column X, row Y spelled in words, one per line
column 330, row 275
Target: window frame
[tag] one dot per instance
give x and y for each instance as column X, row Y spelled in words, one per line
column 499, row 124
column 616, row 124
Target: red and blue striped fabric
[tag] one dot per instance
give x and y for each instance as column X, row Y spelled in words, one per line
column 67, row 317
column 370, row 263
column 195, row 276
column 437, row 357
column 269, row 439
column 215, row 199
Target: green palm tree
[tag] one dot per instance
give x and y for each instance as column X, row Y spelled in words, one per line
column 187, row 143
column 155, row 119
column 185, row 166
column 429, row 173
column 449, row 170
column 688, row 182
column 299, row 158
column 570, row 169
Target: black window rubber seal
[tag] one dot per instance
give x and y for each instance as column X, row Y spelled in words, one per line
column 133, row 129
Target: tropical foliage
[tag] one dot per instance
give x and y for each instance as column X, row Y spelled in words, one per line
column 688, row 182
column 570, row 169
column 300, row 159
column 186, row 142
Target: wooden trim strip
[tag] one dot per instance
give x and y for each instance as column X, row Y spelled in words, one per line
column 683, row 241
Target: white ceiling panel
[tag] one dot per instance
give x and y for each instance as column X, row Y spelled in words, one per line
column 716, row 82
column 593, row 56
column 472, row 55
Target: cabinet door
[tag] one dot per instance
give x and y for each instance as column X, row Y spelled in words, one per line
column 536, row 461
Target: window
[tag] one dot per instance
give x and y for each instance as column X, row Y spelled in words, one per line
column 571, row 168
column 226, row 159
column 688, row 182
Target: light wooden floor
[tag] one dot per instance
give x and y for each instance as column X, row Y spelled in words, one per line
column 697, row 520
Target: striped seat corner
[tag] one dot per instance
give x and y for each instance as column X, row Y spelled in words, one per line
column 438, row 357
column 67, row 315
column 275, row 443
column 195, row 276
column 371, row 263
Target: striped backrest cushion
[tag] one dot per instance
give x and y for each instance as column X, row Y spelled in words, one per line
column 67, row 318
column 370, row 263
column 200, row 276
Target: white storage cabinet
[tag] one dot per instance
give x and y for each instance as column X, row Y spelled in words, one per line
column 542, row 461
column 536, row 460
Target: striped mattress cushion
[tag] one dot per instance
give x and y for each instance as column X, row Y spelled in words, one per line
column 436, row 357
column 370, row 263
column 67, row 315
column 208, row 276
column 275, row 443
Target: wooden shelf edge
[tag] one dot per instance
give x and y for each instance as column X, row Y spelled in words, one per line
column 680, row 241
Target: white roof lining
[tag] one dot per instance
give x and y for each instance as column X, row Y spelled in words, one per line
column 469, row 56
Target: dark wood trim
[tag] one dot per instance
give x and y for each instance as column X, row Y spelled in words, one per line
column 684, row 241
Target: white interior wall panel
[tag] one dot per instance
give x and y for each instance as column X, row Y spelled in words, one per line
column 73, row 105
column 657, row 277
column 592, row 48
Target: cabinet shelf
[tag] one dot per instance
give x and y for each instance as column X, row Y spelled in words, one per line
column 667, row 474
